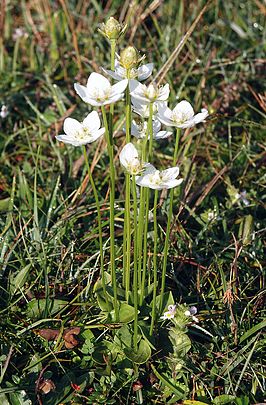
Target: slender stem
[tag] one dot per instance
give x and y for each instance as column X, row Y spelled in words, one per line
column 168, row 227
column 111, row 112
column 98, row 216
column 153, row 314
column 145, row 243
column 127, row 229
column 150, row 130
column 127, row 238
column 135, row 274
column 144, row 219
column 110, row 149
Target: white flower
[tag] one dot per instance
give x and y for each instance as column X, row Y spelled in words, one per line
column 81, row 133
column 170, row 313
column 99, row 91
column 143, row 109
column 182, row 116
column 157, row 180
column 242, row 197
column 120, row 73
column 191, row 312
column 4, row 111
column 129, row 159
column 148, row 94
column 140, row 130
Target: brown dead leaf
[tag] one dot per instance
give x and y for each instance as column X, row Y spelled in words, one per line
column 48, row 334
column 68, row 335
column 46, row 386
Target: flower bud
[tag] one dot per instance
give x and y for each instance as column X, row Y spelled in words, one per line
column 112, row 29
column 129, row 57
column 152, row 91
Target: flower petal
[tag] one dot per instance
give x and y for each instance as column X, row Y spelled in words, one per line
column 170, row 174
column 98, row 81
column 81, row 91
column 67, row 139
column 95, row 135
column 115, row 75
column 92, row 121
column 172, row 183
column 128, row 154
column 71, row 126
column 145, row 71
column 184, row 109
column 119, row 87
column 164, row 93
column 162, row 135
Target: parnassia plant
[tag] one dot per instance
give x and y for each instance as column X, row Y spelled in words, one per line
column 131, row 292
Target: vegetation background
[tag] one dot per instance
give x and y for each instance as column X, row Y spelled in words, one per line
column 47, row 214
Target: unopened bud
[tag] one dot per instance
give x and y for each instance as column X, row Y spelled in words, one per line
column 129, row 57
column 112, row 29
column 152, row 91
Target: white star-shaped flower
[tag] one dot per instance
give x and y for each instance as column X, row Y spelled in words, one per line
column 99, row 91
column 148, row 94
column 140, row 130
column 182, row 116
column 141, row 73
column 129, row 159
column 157, row 180
column 80, row 133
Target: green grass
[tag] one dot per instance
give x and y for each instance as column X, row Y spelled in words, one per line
column 49, row 263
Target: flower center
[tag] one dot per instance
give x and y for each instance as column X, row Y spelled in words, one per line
column 101, row 95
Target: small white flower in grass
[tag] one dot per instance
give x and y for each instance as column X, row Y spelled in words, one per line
column 80, row 133
column 140, row 130
column 4, row 111
column 148, row 94
column 99, row 91
column 129, row 159
column 170, row 313
column 120, row 73
column 182, row 116
column 157, row 180
column 191, row 312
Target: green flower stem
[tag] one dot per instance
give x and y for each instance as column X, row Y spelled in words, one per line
column 144, row 202
column 168, row 227
column 145, row 243
column 111, row 113
column 110, row 148
column 127, row 229
column 153, row 314
column 150, row 130
column 135, row 274
column 127, row 239
column 98, row 216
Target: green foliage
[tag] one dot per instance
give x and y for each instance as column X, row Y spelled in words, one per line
column 49, row 260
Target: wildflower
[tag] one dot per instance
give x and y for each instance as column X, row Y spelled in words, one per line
column 120, row 73
column 191, row 312
column 182, row 116
column 112, row 29
column 129, row 159
column 143, row 109
column 99, row 91
column 81, row 133
column 242, row 197
column 157, row 180
column 140, row 130
column 170, row 313
column 148, row 94
column 4, row 111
